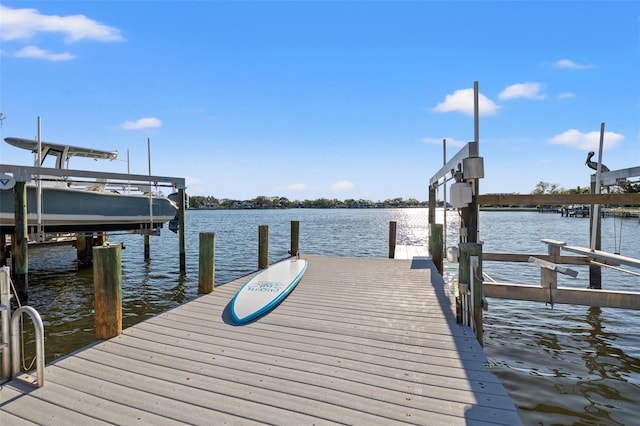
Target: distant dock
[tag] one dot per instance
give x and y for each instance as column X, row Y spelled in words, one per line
column 359, row 341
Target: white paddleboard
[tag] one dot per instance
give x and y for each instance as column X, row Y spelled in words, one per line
column 264, row 291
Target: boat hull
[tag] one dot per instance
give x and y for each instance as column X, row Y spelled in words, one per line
column 68, row 209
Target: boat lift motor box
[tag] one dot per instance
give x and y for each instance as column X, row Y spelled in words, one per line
column 473, row 167
column 461, row 194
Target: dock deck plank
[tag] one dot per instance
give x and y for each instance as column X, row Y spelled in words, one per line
column 359, row 341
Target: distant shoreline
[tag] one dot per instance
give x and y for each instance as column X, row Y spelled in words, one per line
column 509, row 209
column 497, row 209
column 625, row 212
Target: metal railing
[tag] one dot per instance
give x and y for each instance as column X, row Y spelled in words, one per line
column 5, row 316
column 10, row 346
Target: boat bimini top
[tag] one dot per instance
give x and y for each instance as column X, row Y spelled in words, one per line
column 62, row 152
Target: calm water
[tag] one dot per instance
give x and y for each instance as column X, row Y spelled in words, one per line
column 561, row 365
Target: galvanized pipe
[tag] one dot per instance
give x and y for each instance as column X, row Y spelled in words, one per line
column 15, row 342
column 5, row 315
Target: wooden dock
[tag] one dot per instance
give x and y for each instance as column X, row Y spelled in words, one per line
column 359, row 341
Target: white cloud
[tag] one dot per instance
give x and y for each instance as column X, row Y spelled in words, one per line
column 24, row 24
column 342, row 185
column 451, row 142
column 567, row 64
column 142, row 123
column 296, row 187
column 462, row 101
column 566, row 95
column 586, row 141
column 36, row 52
column 523, row 90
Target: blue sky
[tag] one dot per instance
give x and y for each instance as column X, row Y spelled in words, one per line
column 325, row 99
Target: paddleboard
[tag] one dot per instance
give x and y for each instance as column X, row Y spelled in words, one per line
column 266, row 290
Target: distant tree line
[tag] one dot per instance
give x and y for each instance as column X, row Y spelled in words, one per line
column 553, row 188
column 264, row 202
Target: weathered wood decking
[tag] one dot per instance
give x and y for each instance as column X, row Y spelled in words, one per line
column 359, row 341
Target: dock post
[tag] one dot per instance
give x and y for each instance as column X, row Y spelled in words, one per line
column 263, row 246
column 595, row 271
column 206, row 262
column 549, row 277
column 432, row 213
column 469, row 216
column 392, row 239
column 467, row 252
column 84, row 246
column 437, row 243
column 295, row 238
column 182, row 230
column 3, row 250
column 19, row 244
column 107, row 284
column 147, row 247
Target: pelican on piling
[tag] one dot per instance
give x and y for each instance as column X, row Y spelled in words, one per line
column 594, row 165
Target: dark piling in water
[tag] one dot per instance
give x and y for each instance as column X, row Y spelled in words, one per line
column 107, row 284
column 206, row 262
column 263, row 246
column 19, row 246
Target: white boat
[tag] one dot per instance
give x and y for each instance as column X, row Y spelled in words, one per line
column 80, row 204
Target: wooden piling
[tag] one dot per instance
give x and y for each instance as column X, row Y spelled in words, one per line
column 107, row 284
column 182, row 230
column 147, row 247
column 437, row 242
column 3, row 250
column 467, row 251
column 80, row 248
column 595, row 271
column 549, row 277
column 19, row 243
column 469, row 216
column 432, row 213
column 392, row 239
column 84, row 249
column 463, row 281
column 295, row 238
column 206, row 262
column 263, row 246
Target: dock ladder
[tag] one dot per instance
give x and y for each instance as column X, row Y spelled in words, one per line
column 10, row 344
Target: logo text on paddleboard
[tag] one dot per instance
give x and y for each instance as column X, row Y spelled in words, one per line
column 266, row 286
